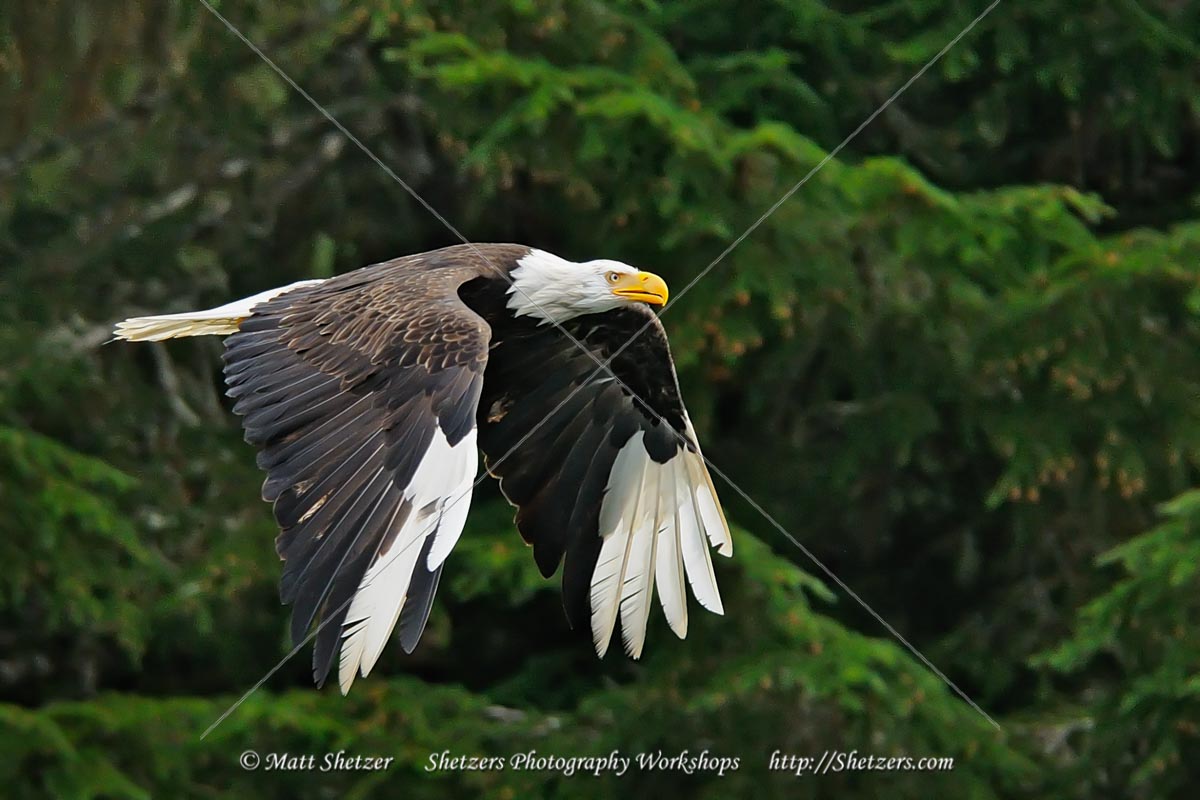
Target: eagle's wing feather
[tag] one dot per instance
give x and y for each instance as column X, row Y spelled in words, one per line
column 361, row 394
column 614, row 489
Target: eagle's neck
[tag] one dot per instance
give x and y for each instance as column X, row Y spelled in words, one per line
column 548, row 288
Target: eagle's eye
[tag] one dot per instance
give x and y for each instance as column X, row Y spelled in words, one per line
column 613, row 277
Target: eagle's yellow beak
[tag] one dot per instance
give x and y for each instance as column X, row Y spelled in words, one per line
column 645, row 287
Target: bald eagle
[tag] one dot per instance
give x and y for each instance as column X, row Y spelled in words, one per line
column 370, row 394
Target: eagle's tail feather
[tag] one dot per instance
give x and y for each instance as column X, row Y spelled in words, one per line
column 219, row 321
column 169, row 326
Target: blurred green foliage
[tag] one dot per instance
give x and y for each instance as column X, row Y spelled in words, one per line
column 959, row 365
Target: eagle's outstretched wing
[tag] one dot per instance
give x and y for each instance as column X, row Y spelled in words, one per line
column 616, row 486
column 361, row 392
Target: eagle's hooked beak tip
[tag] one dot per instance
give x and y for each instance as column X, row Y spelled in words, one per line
column 643, row 287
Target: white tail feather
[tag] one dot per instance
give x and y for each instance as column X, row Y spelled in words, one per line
column 219, row 321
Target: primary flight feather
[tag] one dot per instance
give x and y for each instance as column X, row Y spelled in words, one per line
column 369, row 396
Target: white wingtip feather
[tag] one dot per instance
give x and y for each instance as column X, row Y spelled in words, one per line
column 668, row 568
column 618, row 515
column 637, row 591
column 443, row 477
column 696, row 560
column 707, row 502
column 657, row 522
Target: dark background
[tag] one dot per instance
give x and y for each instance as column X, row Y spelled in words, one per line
column 959, row 365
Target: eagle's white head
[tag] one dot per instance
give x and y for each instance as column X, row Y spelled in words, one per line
column 552, row 289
